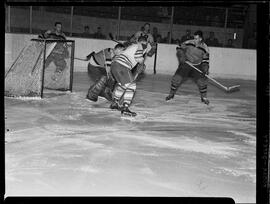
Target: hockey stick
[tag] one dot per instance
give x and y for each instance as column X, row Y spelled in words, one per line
column 111, row 37
column 227, row 89
column 81, row 59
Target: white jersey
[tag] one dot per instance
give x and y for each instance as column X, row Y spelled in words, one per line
column 131, row 56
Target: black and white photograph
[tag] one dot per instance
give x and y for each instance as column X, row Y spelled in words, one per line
column 131, row 100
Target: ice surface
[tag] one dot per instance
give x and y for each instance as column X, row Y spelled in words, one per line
column 65, row 144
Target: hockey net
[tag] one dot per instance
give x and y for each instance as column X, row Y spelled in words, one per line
column 42, row 64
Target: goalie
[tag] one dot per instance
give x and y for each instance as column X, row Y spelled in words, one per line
column 99, row 71
column 195, row 52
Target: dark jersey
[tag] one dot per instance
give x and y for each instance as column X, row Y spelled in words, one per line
column 196, row 54
column 53, row 35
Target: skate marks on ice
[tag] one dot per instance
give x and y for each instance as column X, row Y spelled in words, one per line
column 189, row 109
column 72, row 134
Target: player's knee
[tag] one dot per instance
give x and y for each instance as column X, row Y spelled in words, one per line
column 176, row 80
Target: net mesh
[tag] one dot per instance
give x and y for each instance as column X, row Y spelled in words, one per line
column 26, row 78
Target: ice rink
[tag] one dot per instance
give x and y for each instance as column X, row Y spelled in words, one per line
column 67, row 145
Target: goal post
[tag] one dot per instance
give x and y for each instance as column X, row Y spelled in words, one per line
column 42, row 64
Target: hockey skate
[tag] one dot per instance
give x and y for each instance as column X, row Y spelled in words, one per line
column 92, row 96
column 205, row 100
column 170, row 96
column 126, row 112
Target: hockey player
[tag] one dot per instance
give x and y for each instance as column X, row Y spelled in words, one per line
column 151, row 50
column 145, row 32
column 60, row 51
column 99, row 71
column 196, row 52
column 121, row 67
column 56, row 33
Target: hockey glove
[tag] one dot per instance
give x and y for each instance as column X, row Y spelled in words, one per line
column 88, row 57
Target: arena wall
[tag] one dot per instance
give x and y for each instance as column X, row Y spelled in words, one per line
column 224, row 62
column 43, row 20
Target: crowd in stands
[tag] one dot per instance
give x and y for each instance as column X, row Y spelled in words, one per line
column 210, row 40
column 98, row 34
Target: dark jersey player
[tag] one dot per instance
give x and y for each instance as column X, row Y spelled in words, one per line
column 60, row 51
column 196, row 52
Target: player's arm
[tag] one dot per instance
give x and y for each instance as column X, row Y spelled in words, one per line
column 139, row 55
column 205, row 61
column 135, row 37
column 47, row 33
column 64, row 37
column 184, row 45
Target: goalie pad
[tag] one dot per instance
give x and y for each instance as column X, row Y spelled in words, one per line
column 95, row 90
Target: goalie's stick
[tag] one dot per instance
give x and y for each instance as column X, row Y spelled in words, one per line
column 227, row 89
column 111, row 37
column 81, row 59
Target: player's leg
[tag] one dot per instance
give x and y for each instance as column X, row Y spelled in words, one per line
column 178, row 78
column 124, row 90
column 60, row 64
column 201, row 82
column 95, row 89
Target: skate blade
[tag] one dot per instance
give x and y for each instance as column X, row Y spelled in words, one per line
column 137, row 118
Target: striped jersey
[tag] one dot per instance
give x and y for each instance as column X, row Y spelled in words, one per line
column 131, row 56
column 196, row 54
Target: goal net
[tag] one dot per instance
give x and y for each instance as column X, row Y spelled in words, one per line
column 43, row 64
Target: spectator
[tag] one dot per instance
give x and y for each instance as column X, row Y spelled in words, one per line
column 86, row 33
column 212, row 40
column 186, row 37
column 177, row 41
column 229, row 43
column 167, row 38
column 99, row 34
column 159, row 39
column 155, row 34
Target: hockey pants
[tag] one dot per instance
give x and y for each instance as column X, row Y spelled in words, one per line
column 183, row 72
column 125, row 88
